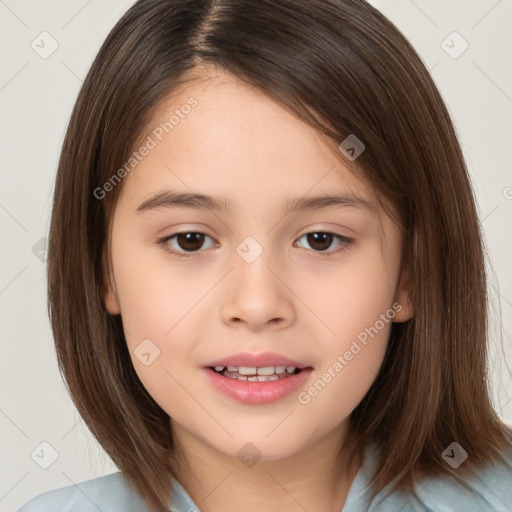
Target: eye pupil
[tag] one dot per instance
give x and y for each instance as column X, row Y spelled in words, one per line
column 325, row 240
column 190, row 241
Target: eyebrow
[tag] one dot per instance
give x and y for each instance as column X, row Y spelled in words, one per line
column 170, row 199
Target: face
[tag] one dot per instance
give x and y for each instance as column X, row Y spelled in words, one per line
column 262, row 286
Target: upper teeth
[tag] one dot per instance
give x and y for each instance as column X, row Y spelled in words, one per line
column 252, row 370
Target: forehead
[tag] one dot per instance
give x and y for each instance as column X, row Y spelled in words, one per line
column 218, row 133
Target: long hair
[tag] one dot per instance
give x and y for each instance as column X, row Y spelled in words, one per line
column 343, row 68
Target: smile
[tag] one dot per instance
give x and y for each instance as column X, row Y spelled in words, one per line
column 246, row 385
column 253, row 374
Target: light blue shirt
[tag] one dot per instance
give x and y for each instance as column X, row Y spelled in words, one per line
column 492, row 492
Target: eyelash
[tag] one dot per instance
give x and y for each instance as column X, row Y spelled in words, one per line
column 347, row 242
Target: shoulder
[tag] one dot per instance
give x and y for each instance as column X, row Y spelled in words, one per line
column 107, row 493
column 490, row 490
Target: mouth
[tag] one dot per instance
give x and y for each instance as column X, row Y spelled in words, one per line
column 257, row 379
column 256, row 374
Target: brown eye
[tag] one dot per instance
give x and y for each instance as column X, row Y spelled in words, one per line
column 320, row 241
column 190, row 241
column 185, row 244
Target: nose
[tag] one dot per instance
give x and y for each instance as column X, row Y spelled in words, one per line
column 257, row 297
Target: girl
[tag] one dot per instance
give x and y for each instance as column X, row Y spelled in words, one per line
column 265, row 269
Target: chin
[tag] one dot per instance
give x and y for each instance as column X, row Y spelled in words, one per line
column 254, row 444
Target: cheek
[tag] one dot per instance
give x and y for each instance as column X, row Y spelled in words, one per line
column 155, row 297
column 159, row 313
column 355, row 307
column 349, row 297
column 350, row 362
column 339, row 387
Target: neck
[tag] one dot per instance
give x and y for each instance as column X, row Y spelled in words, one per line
column 312, row 479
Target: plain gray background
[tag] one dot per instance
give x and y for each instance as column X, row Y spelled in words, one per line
column 37, row 93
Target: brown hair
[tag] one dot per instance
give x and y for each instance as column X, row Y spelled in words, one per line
column 342, row 67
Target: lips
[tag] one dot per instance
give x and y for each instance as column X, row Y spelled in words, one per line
column 258, row 393
column 256, row 379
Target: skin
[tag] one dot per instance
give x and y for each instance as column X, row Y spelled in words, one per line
column 294, row 299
